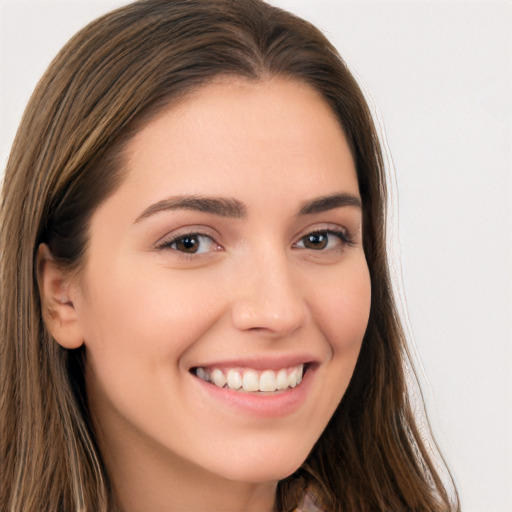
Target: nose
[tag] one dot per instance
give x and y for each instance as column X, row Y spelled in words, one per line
column 269, row 298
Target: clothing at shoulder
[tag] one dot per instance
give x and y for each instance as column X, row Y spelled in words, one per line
column 308, row 504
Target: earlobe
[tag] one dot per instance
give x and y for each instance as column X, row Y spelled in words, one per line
column 58, row 310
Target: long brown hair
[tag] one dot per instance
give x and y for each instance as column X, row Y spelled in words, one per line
column 110, row 79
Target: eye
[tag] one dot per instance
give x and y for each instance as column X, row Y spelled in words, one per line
column 190, row 243
column 323, row 240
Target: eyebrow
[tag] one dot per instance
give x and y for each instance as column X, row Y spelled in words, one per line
column 330, row 202
column 224, row 207
column 232, row 208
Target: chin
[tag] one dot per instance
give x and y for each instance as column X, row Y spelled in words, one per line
column 261, row 467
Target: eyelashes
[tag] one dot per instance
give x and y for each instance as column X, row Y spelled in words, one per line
column 190, row 243
column 324, row 239
column 196, row 243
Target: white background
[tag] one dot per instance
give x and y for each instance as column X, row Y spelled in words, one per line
column 439, row 74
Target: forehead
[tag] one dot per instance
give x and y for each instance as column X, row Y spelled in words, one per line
column 235, row 128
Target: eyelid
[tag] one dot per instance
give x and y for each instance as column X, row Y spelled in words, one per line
column 341, row 243
column 343, row 233
column 346, row 235
column 199, row 231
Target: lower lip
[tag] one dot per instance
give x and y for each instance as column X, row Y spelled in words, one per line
column 265, row 405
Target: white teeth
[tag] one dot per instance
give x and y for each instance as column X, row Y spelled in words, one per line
column 234, row 380
column 282, row 379
column 295, row 377
column 268, row 381
column 218, row 378
column 292, row 378
column 250, row 380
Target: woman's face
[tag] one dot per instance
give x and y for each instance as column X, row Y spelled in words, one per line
column 229, row 256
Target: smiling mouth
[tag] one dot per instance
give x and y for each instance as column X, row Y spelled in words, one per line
column 250, row 380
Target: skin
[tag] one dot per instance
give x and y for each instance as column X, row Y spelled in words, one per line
column 148, row 312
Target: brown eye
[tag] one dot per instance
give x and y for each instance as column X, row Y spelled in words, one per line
column 323, row 240
column 316, row 240
column 188, row 244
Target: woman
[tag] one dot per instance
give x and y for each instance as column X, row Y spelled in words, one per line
column 196, row 310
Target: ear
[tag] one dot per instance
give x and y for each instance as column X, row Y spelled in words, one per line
column 58, row 310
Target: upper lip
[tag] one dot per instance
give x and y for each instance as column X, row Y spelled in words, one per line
column 260, row 363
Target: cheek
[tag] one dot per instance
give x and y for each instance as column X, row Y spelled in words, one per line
column 137, row 324
column 136, row 333
column 340, row 309
column 343, row 309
